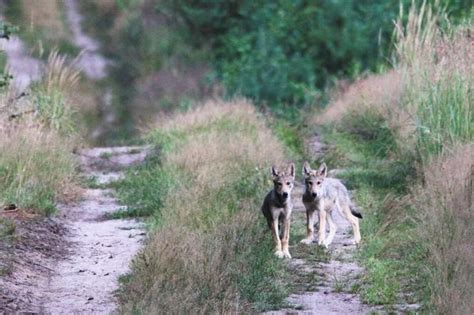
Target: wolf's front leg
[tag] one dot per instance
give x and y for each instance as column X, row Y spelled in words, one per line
column 286, row 237
column 309, row 228
column 276, row 238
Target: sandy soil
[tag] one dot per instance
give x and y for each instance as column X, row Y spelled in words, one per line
column 27, row 261
column 102, row 249
column 72, row 263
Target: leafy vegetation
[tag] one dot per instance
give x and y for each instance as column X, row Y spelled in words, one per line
column 404, row 138
column 286, row 51
column 283, row 53
column 155, row 69
column 42, row 25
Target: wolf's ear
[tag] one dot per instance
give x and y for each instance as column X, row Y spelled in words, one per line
column 291, row 170
column 306, row 169
column 323, row 170
column 274, row 172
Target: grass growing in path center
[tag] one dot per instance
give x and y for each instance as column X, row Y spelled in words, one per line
column 209, row 250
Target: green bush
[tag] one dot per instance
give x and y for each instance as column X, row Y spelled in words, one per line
column 285, row 50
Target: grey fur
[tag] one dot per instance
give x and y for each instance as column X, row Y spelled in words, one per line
column 322, row 196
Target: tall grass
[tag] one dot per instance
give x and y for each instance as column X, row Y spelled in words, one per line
column 437, row 64
column 445, row 209
column 428, row 97
column 210, row 251
column 36, row 167
column 37, row 136
column 52, row 105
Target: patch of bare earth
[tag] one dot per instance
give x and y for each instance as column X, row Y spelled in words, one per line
column 27, row 260
column 71, row 264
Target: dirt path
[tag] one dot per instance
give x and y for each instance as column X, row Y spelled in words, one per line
column 100, row 249
column 324, row 278
column 90, row 62
column 70, row 263
column 93, row 65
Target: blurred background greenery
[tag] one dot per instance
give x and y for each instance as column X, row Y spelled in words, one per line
column 165, row 54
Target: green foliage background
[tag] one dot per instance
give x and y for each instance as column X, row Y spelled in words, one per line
column 283, row 54
column 286, row 51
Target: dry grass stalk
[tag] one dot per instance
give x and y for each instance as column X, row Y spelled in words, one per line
column 446, row 212
column 60, row 74
column 209, row 226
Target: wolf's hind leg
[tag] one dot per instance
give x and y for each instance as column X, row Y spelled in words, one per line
column 332, row 230
column 322, row 227
column 353, row 220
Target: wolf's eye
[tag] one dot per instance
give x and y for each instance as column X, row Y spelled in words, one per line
column 279, row 184
column 288, row 183
column 318, row 182
column 310, row 183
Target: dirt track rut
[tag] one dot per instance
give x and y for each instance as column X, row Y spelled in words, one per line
column 101, row 249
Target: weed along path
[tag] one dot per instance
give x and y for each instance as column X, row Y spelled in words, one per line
column 324, row 278
column 100, row 248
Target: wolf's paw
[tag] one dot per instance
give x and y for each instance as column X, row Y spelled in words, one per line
column 324, row 244
column 286, row 254
column 306, row 241
column 279, row 254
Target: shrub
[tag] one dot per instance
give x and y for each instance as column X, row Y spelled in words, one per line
column 428, row 96
column 285, row 51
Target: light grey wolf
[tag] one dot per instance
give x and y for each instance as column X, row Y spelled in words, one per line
column 277, row 208
column 322, row 196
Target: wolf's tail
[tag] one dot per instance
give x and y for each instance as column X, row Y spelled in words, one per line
column 356, row 211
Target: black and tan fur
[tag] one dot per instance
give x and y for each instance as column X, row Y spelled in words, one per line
column 277, row 208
